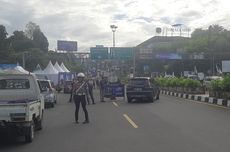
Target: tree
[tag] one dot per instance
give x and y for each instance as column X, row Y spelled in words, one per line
column 33, row 32
column 216, row 29
column 19, row 42
column 3, row 35
column 30, row 28
column 40, row 40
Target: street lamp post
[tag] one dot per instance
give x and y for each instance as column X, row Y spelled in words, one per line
column 113, row 28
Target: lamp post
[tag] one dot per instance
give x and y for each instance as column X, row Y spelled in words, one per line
column 113, row 28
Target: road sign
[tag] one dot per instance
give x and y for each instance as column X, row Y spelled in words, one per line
column 122, row 53
column 99, row 53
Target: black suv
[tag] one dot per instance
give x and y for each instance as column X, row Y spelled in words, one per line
column 142, row 88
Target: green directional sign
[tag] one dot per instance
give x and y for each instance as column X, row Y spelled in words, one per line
column 122, row 53
column 99, row 53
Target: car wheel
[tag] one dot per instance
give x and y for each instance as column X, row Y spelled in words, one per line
column 39, row 123
column 30, row 134
column 157, row 98
column 151, row 99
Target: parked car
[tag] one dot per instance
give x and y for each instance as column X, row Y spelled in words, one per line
column 48, row 92
column 67, row 86
column 21, row 104
column 142, row 88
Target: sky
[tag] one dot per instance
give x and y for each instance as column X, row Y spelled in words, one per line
column 88, row 21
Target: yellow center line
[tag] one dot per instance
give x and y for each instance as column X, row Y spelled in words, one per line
column 130, row 121
column 115, row 104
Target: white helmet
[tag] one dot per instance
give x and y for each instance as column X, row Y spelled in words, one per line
column 80, row 75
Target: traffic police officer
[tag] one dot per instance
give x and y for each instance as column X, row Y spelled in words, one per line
column 80, row 91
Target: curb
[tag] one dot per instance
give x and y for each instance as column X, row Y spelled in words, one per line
column 211, row 100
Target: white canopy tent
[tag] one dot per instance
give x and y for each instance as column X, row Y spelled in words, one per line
column 51, row 73
column 58, row 68
column 38, row 70
column 14, row 70
column 64, row 67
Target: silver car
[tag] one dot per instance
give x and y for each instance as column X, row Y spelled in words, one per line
column 50, row 96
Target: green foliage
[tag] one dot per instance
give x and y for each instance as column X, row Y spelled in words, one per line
column 40, row 40
column 34, row 45
column 213, row 39
column 30, row 29
column 221, row 85
column 190, row 83
column 178, row 82
column 3, row 35
column 217, row 85
column 19, row 42
column 226, row 83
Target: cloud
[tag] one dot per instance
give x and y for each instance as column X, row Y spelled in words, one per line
column 88, row 22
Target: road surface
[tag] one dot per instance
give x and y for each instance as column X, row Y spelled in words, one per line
column 167, row 125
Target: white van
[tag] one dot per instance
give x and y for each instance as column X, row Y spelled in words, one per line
column 21, row 104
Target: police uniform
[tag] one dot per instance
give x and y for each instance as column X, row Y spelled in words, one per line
column 80, row 91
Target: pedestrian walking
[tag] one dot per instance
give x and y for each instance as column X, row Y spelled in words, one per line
column 94, row 84
column 71, row 92
column 90, row 93
column 98, row 84
column 80, row 89
column 102, row 85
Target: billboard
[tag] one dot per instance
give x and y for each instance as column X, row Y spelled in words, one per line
column 226, row 66
column 99, row 53
column 121, row 52
column 66, row 45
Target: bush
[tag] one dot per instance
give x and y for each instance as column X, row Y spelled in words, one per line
column 177, row 82
column 190, row 83
column 225, row 83
column 217, row 85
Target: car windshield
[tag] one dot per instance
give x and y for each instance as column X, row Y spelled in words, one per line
column 14, row 84
column 138, row 82
column 44, row 85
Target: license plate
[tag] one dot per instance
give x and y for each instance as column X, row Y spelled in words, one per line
column 138, row 89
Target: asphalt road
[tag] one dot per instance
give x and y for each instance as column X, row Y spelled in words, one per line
column 167, row 125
